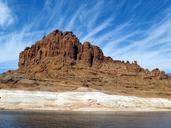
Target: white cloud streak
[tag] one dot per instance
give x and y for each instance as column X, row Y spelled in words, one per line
column 6, row 16
column 15, row 42
column 151, row 47
column 151, row 50
column 97, row 29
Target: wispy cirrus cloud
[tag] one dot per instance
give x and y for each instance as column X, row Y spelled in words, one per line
column 15, row 42
column 124, row 30
column 153, row 50
column 6, row 15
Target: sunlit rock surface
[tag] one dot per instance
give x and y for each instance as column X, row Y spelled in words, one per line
column 79, row 100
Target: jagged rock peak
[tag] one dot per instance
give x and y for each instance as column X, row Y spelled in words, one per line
column 63, row 45
column 63, row 50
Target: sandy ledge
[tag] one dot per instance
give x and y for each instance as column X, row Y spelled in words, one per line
column 79, row 101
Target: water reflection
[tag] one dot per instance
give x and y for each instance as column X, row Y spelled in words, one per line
column 11, row 119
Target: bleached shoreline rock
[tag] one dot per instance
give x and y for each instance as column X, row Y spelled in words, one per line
column 79, row 101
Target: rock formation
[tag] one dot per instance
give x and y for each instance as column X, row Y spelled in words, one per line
column 62, row 53
column 59, row 62
column 62, row 48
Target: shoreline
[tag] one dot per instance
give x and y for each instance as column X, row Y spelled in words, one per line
column 78, row 112
column 79, row 101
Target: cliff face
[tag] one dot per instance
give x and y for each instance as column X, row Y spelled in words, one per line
column 58, row 50
column 61, row 54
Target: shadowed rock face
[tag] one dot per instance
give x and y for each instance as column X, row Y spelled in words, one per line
column 61, row 53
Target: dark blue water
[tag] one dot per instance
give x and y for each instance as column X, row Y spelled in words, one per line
column 2, row 70
column 8, row 65
column 84, row 120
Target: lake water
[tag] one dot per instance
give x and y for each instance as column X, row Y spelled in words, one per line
column 10, row 119
column 2, row 70
column 8, row 65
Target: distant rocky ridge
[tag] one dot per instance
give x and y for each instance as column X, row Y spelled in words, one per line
column 61, row 61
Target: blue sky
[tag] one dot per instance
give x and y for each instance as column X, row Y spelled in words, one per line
column 125, row 29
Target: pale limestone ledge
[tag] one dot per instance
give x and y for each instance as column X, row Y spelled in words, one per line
column 79, row 101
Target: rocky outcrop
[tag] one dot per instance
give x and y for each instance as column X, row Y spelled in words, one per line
column 59, row 62
column 62, row 53
column 64, row 47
